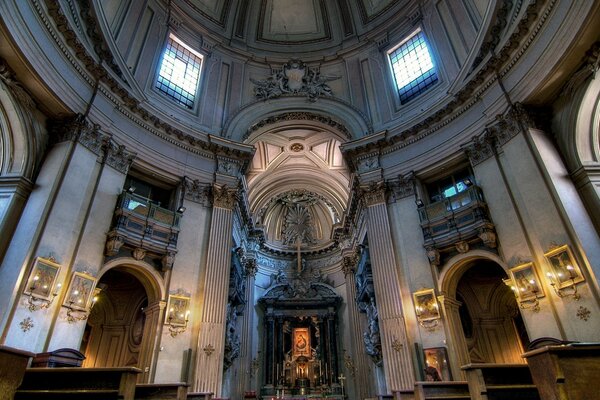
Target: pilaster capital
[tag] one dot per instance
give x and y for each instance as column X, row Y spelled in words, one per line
column 349, row 264
column 373, row 193
column 224, row 196
column 118, row 157
column 196, row 191
column 228, row 166
column 250, row 267
column 480, row 149
column 401, row 187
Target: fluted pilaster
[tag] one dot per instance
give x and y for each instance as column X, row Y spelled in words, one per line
column 395, row 347
column 245, row 383
column 363, row 387
column 209, row 369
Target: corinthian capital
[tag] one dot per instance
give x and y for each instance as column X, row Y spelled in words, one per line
column 373, row 193
column 349, row 264
column 224, row 196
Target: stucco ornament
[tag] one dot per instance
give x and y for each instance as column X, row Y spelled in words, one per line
column 294, row 78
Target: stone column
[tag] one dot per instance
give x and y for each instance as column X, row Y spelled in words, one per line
column 332, row 354
column 269, row 351
column 209, row 367
column 154, row 313
column 359, row 375
column 245, row 383
column 396, row 350
column 458, row 352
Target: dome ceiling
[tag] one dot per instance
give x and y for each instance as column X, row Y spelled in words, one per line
column 298, row 186
column 290, row 26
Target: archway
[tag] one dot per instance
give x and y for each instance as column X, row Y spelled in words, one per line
column 121, row 328
column 483, row 319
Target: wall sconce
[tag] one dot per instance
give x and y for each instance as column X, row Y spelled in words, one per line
column 419, row 203
column 427, row 309
column 564, row 274
column 81, row 298
column 41, row 282
column 178, row 315
column 181, row 209
column 524, row 283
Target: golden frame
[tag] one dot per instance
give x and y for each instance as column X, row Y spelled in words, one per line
column 563, row 269
column 79, row 294
column 527, row 284
column 301, row 342
column 426, row 305
column 42, row 279
column 178, row 310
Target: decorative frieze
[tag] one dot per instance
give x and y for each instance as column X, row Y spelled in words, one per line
column 298, row 116
column 224, row 196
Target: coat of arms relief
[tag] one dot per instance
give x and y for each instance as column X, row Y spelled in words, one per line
column 294, row 78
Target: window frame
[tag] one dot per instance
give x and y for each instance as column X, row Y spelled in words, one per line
column 164, row 96
column 436, row 67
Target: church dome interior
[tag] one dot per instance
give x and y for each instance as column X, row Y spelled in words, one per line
column 269, row 199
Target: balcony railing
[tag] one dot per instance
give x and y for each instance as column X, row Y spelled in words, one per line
column 140, row 223
column 456, row 218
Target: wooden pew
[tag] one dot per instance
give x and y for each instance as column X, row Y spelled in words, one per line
column 200, row 396
column 161, row 391
column 78, row 383
column 566, row 372
column 13, row 363
column 442, row 390
column 500, row 382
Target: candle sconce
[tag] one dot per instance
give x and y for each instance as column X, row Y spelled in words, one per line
column 178, row 314
column 526, row 287
column 41, row 289
column 564, row 274
column 427, row 309
column 81, row 298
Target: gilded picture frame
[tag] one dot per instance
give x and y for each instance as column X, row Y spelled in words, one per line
column 526, row 282
column 301, row 342
column 560, row 258
column 178, row 308
column 80, row 291
column 426, row 305
column 42, row 278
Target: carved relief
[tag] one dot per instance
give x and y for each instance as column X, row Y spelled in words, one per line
column 402, row 187
column 374, row 193
column 228, row 166
column 295, row 78
column 298, row 116
column 113, row 245
column 433, row 255
column 167, row 261
column 349, row 264
column 368, row 163
column 224, row 196
column 372, row 337
column 197, row 191
column 8, row 77
column 480, row 149
column 138, row 253
column 488, row 236
column 119, row 157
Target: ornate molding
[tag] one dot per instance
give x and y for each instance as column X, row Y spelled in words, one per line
column 350, row 263
column 118, row 157
column 228, row 166
column 403, row 186
column 224, row 196
column 250, row 267
column 480, row 149
column 197, row 191
column 298, row 116
column 9, row 78
column 295, row 77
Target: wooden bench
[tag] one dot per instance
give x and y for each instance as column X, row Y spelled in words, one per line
column 200, row 395
column 500, row 382
column 161, row 391
column 566, row 372
column 442, row 390
column 13, row 363
column 78, row 383
column 407, row 394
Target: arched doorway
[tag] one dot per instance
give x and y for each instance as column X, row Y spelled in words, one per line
column 121, row 328
column 483, row 317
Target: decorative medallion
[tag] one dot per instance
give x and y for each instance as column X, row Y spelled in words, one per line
column 583, row 313
column 296, row 147
column 209, row 349
column 26, row 324
column 397, row 345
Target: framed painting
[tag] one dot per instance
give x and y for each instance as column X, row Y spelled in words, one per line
column 43, row 278
column 81, row 289
column 436, row 364
column 526, row 282
column 301, row 342
column 178, row 310
column 426, row 305
column 564, row 271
